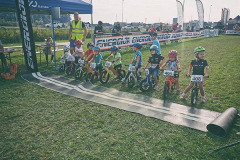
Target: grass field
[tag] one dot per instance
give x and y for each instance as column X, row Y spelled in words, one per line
column 36, row 123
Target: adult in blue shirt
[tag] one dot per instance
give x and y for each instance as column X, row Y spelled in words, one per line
column 117, row 29
column 156, row 42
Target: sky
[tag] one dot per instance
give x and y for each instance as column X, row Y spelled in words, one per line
column 154, row 11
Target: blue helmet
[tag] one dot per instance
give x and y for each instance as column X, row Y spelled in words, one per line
column 96, row 48
column 154, row 47
column 137, row 45
column 114, row 48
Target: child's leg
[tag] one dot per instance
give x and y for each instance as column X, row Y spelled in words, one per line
column 177, row 83
column 52, row 58
column 201, row 89
column 155, row 75
column 138, row 74
column 188, row 88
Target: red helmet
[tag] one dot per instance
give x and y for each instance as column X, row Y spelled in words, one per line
column 78, row 42
column 172, row 53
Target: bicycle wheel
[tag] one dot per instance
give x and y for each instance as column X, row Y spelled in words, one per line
column 166, row 91
column 122, row 73
column 131, row 81
column 194, row 95
column 89, row 76
column 104, row 77
column 145, row 85
column 78, row 74
column 61, row 69
column 68, row 70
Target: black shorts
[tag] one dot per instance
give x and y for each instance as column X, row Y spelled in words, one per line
column 118, row 66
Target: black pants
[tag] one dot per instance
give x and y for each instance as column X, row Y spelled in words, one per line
column 118, row 69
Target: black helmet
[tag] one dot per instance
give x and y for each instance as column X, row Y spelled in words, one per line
column 90, row 44
column 100, row 22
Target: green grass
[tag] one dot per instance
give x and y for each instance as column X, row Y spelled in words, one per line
column 37, row 123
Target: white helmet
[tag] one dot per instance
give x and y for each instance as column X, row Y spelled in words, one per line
column 66, row 48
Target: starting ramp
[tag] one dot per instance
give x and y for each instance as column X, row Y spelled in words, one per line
column 145, row 105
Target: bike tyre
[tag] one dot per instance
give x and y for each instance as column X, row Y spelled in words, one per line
column 142, row 86
column 89, row 77
column 194, row 95
column 123, row 74
column 103, row 78
column 78, row 74
column 61, row 69
column 166, row 91
column 131, row 81
column 68, row 70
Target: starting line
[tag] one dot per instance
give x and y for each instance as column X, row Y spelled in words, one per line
column 151, row 107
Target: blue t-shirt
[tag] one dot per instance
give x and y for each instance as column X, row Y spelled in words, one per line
column 97, row 59
column 117, row 28
column 156, row 42
column 138, row 53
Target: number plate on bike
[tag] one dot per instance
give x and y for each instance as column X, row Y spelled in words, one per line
column 131, row 68
column 168, row 73
column 196, row 78
column 81, row 61
column 147, row 71
column 108, row 64
column 93, row 65
column 62, row 61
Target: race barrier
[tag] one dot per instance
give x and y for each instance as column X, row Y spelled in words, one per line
column 136, row 103
column 105, row 42
column 211, row 33
column 232, row 32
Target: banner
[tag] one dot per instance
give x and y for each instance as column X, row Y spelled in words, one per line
column 232, row 32
column 211, row 33
column 26, row 30
column 180, row 12
column 200, row 10
column 106, row 43
column 226, row 15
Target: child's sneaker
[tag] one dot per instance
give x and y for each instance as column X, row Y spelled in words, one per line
column 182, row 96
column 123, row 80
column 203, row 99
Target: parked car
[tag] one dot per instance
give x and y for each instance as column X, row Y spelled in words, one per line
column 128, row 27
column 56, row 25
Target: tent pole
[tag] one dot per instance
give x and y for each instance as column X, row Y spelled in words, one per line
column 92, row 25
column 53, row 35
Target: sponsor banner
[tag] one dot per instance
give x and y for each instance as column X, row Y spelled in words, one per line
column 25, row 25
column 210, row 33
column 106, row 43
column 233, row 32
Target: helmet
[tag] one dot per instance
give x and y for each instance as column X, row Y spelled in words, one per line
column 100, row 22
column 96, row 48
column 78, row 42
column 154, row 47
column 66, row 48
column 198, row 49
column 172, row 53
column 137, row 45
column 114, row 48
column 90, row 44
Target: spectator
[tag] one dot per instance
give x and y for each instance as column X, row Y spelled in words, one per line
column 77, row 31
column 117, row 29
column 175, row 27
column 48, row 49
column 152, row 29
column 156, row 42
column 236, row 27
column 143, row 28
column 180, row 28
column 3, row 58
column 98, row 29
column 158, row 28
